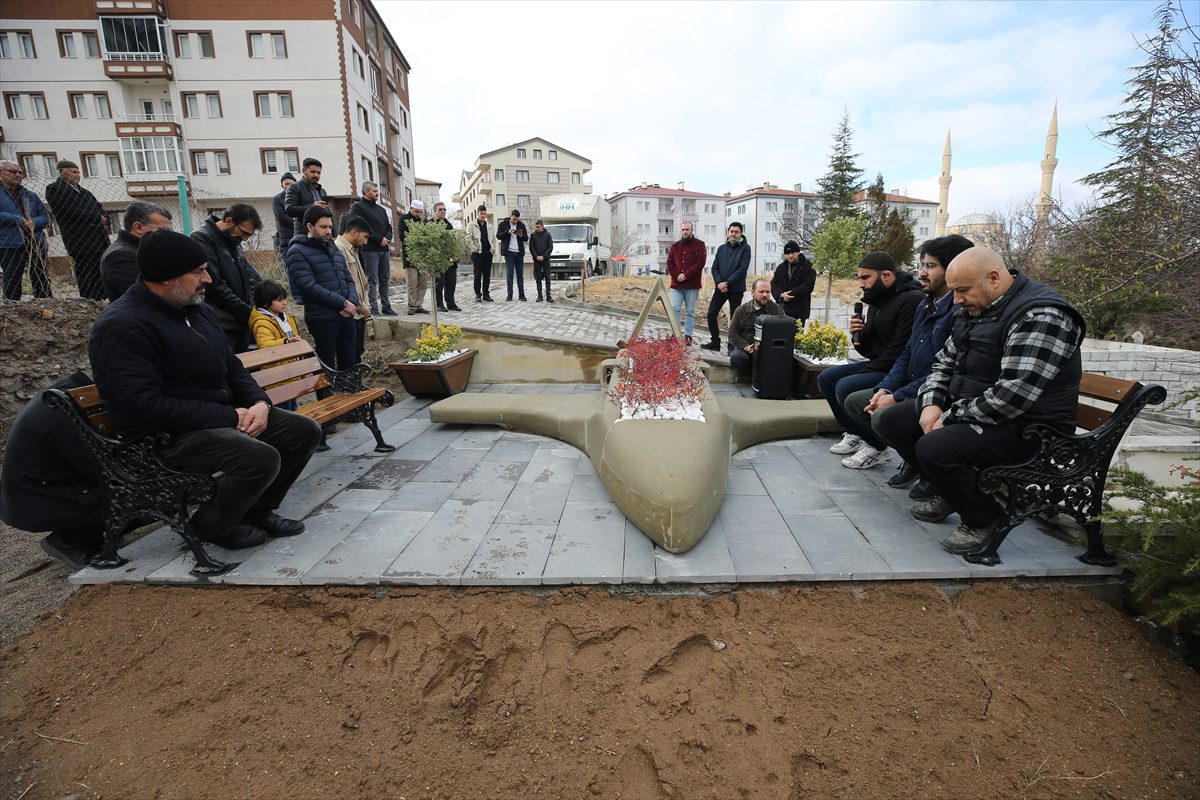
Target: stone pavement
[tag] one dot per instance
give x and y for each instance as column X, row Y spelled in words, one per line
column 476, row 505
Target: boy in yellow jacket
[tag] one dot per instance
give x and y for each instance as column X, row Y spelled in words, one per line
column 270, row 322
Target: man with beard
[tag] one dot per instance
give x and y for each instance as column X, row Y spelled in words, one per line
column 118, row 265
column 793, row 284
column 376, row 254
column 162, row 363
column 892, row 298
column 443, row 287
column 685, row 266
column 324, row 281
column 481, row 255
column 730, row 265
column 284, row 228
column 84, row 227
column 231, row 294
column 931, row 326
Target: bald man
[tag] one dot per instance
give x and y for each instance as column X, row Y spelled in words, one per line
column 1012, row 360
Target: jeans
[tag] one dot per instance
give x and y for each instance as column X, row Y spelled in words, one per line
column 837, row 383
column 950, row 458
column 686, row 298
column 719, row 298
column 740, row 360
column 482, row 262
column 514, row 263
column 378, row 266
column 255, row 473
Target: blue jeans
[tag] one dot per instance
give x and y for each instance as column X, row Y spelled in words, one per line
column 515, row 263
column 378, row 266
column 837, row 383
column 686, row 298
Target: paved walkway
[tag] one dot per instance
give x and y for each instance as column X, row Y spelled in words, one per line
column 474, row 505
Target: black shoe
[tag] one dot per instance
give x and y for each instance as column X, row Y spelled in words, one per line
column 716, row 346
column 241, row 536
column 478, row 299
column 488, row 299
column 539, row 298
column 442, row 308
column 921, row 490
column 453, row 308
column 904, row 476
column 508, row 299
column 275, row 525
column 75, row 556
column 523, row 299
column 387, row 312
column 935, row 509
column 549, row 299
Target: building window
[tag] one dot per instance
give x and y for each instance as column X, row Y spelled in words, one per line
column 537, row 155
column 66, row 45
column 15, row 104
column 203, row 44
column 364, row 120
column 552, row 177
column 192, row 102
column 523, row 200
column 103, row 110
column 38, row 165
column 89, row 164
column 78, row 104
column 216, row 161
column 552, row 155
column 367, row 172
column 91, row 44
column 498, row 174
column 520, row 152
column 151, row 154
column 376, row 83
column 384, row 184
column 114, row 165
column 18, row 42
column 359, row 64
column 266, row 44
column 407, row 159
column 500, row 200
column 522, row 176
column 742, row 209
column 262, row 103
column 924, row 212
column 133, row 38
column 272, row 158
column 576, row 177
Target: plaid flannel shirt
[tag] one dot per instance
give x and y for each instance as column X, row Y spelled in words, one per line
column 1036, row 348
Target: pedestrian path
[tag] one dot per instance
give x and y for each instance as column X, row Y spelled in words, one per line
column 478, row 506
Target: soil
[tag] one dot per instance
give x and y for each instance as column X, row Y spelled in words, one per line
column 888, row 690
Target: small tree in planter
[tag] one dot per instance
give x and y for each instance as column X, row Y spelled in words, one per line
column 433, row 248
column 837, row 249
column 658, row 378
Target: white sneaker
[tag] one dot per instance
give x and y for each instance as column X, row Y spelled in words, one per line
column 867, row 457
column 849, row 444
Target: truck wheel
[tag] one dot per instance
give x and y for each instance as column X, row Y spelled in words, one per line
column 589, row 269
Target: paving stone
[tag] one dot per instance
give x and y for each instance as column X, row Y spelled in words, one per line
column 767, row 454
column 639, row 556
column 707, row 562
column 368, row 550
column 389, row 474
column 440, row 553
column 744, row 481
column 836, row 549
column 529, row 388
column 587, row 488
column 551, row 468
column 589, row 546
column 489, row 480
column 759, row 541
column 477, row 437
column 559, row 388
column 146, row 555
column 430, row 442
column 795, row 495
column 320, row 487
column 419, row 496
column 910, row 551
column 585, row 467
column 511, row 555
column 534, row 504
column 451, row 465
column 510, row 450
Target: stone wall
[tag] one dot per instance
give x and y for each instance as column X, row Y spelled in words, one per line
column 1173, row 369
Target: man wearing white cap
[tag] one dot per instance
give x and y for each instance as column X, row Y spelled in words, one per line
column 417, row 281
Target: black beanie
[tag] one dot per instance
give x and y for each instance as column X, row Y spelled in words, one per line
column 878, row 261
column 791, row 247
column 166, row 254
column 287, row 176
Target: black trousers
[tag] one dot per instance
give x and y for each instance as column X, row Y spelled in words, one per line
column 541, row 272
column 13, row 261
column 482, row 262
column 360, row 339
column 256, row 473
column 335, row 341
column 950, row 458
column 443, row 287
column 719, row 298
column 87, row 267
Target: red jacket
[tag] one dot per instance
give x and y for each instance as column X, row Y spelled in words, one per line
column 686, row 256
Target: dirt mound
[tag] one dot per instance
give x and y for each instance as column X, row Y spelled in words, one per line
column 883, row 691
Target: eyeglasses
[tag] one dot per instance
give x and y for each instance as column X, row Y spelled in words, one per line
column 238, row 232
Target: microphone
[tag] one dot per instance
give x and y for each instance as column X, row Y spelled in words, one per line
column 856, row 338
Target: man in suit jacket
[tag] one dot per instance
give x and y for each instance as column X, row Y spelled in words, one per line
column 481, row 255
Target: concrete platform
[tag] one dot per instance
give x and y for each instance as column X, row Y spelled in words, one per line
column 478, row 506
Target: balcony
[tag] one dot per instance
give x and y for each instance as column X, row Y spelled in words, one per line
column 157, row 7
column 148, row 125
column 666, row 214
column 153, row 184
column 137, row 66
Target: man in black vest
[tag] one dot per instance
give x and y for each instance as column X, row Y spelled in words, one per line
column 1012, row 360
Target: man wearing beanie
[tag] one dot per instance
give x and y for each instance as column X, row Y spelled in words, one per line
column 162, row 363
column 84, row 227
column 892, row 298
column 792, row 284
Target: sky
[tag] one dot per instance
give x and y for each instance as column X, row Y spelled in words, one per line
column 724, row 96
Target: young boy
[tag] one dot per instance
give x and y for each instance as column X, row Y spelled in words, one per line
column 270, row 321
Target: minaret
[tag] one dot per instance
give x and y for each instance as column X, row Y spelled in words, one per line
column 943, row 212
column 1045, row 194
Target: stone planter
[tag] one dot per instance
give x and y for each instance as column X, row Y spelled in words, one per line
column 804, row 378
column 436, row 379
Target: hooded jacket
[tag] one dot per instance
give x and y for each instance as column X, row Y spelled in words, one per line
column 890, row 315
column 321, row 277
column 730, row 265
column 541, row 243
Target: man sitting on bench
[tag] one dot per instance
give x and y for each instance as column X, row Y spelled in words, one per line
column 162, row 363
column 1012, row 359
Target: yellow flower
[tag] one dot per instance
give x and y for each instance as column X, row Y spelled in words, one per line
column 822, row 340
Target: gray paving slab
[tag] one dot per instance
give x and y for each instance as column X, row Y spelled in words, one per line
column 419, row 496
column 534, row 504
column 430, row 442
column 639, row 556
column 441, row 551
column 836, row 549
column 389, row 474
column 795, row 493
column 146, row 555
column 489, row 480
column 744, row 481
column 477, row 437
column 558, row 388
column 767, row 454
column 587, row 488
column 707, row 562
column 451, row 465
column 368, row 550
column 585, row 467
column 589, row 546
column 760, row 543
column 511, row 555
column 510, row 450
column 529, row 388
column 554, row 467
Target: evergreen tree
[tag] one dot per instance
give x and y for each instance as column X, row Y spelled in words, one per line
column 877, row 215
column 897, row 238
column 844, row 178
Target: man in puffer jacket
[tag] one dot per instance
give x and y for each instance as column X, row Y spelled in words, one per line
column 330, row 300
column 730, row 265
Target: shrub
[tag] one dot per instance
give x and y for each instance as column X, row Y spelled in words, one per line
column 432, row 342
column 654, row 371
column 822, row 340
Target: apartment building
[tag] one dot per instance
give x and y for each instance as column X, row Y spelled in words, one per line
column 519, row 176
column 770, row 217
column 646, row 222
column 228, row 95
column 923, row 213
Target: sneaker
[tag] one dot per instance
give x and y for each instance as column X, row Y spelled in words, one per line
column 933, row 510
column 374, row 312
column 849, row 444
column 866, row 457
column 904, row 476
column 714, row 345
column 921, row 490
column 75, row 556
column 964, row 539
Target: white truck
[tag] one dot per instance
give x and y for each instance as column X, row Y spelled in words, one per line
column 581, row 226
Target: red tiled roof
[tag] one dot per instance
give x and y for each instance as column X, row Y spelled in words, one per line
column 893, row 198
column 659, row 191
column 771, row 193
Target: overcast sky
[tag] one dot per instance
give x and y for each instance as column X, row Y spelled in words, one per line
column 727, row 95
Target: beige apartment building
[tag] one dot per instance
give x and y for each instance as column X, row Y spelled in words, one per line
column 771, row 217
column 228, row 95
column 646, row 220
column 518, row 176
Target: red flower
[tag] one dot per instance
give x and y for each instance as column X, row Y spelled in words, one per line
column 656, row 371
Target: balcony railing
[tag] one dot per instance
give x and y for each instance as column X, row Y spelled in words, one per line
column 147, row 118
column 135, row 56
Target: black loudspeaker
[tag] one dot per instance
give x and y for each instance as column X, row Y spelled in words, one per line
column 772, row 375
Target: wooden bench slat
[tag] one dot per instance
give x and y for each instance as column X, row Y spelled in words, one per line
column 285, row 372
column 1090, row 417
column 1104, row 387
column 256, row 359
column 336, row 405
column 86, row 397
column 296, row 389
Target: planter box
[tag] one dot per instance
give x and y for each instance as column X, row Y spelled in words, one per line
column 804, row 378
column 436, row 379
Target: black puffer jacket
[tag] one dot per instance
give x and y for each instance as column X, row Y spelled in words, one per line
column 159, row 367
column 233, row 280
column 118, row 265
column 890, row 315
column 321, row 277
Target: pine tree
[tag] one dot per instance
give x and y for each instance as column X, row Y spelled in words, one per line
column 897, row 238
column 844, row 178
column 877, row 215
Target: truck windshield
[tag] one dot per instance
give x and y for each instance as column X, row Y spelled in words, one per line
column 569, row 233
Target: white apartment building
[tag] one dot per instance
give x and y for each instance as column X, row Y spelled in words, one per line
column 771, row 217
column 923, row 214
column 646, row 222
column 140, row 92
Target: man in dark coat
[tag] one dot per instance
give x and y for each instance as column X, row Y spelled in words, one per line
column 325, row 283
column 541, row 246
column 376, row 254
column 84, row 227
column 513, row 234
column 792, row 284
column 284, row 228
column 118, row 265
column 302, row 195
column 162, row 363
column 730, row 265
column 23, row 223
column 443, row 287
column 51, row 482
column 231, row 294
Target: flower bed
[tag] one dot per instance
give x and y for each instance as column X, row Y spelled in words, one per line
column 658, row 378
